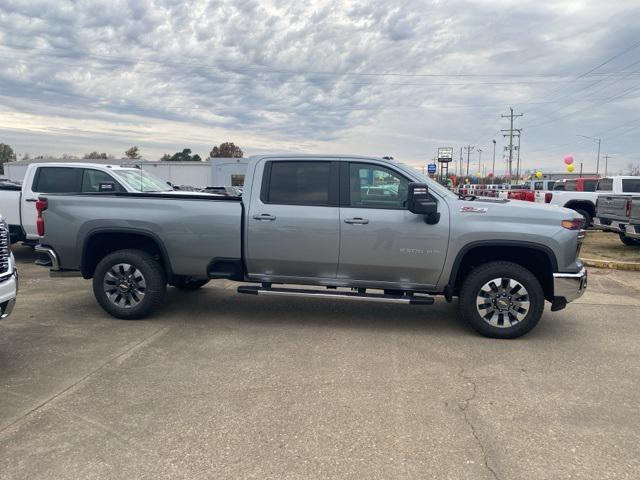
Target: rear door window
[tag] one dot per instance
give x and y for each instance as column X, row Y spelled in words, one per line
column 590, row 185
column 58, row 180
column 298, row 183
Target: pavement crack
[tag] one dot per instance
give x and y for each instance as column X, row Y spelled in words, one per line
column 126, row 352
column 464, row 409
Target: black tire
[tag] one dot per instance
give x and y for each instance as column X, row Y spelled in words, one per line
column 631, row 242
column 189, row 283
column 588, row 219
column 149, row 298
column 472, row 291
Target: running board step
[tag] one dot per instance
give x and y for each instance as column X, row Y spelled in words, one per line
column 371, row 297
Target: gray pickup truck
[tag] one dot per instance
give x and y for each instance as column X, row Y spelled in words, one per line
column 619, row 214
column 341, row 227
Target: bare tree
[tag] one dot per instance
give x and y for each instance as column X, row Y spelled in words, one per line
column 133, row 153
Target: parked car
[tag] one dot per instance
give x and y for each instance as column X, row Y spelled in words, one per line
column 228, row 191
column 306, row 220
column 584, row 202
column 17, row 203
column 539, row 184
column 614, row 214
column 8, row 273
column 632, row 229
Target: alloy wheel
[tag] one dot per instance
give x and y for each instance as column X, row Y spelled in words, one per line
column 124, row 285
column 502, row 302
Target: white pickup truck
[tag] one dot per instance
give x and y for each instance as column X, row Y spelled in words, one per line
column 585, row 202
column 18, row 204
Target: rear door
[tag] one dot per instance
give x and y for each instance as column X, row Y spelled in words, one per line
column 382, row 241
column 46, row 180
column 293, row 227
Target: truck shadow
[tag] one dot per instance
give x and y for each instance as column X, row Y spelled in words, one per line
column 220, row 307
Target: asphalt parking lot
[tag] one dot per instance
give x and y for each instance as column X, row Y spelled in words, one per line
column 220, row 385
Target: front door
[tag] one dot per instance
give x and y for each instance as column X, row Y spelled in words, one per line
column 382, row 241
column 293, row 226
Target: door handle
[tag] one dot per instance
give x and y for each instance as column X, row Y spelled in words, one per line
column 356, row 221
column 30, row 199
column 264, row 216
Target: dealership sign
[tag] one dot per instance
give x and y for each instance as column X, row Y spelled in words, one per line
column 445, row 154
column 431, row 168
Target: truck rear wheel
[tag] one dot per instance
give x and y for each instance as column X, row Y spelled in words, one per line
column 587, row 217
column 632, row 242
column 129, row 284
column 501, row 300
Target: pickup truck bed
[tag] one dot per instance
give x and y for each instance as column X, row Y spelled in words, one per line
column 193, row 228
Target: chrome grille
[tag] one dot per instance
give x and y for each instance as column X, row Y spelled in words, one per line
column 5, row 252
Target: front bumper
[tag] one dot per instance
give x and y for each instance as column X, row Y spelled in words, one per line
column 632, row 231
column 568, row 287
column 8, row 294
column 609, row 225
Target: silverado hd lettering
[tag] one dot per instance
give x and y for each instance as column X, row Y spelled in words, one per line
column 365, row 228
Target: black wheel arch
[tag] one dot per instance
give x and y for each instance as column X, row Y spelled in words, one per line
column 585, row 205
column 100, row 242
column 536, row 257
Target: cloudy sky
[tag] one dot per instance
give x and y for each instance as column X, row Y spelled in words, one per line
column 371, row 77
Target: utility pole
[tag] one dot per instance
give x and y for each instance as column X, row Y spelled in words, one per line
column 606, row 164
column 469, row 149
column 493, row 164
column 479, row 163
column 518, row 160
column 461, row 161
column 511, row 116
column 580, row 169
column 595, row 139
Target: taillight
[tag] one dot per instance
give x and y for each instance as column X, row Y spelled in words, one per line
column 628, row 209
column 548, row 197
column 41, row 206
column 575, row 224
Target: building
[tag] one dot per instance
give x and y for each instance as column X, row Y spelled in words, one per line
column 212, row 172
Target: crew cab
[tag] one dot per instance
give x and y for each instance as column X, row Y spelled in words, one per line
column 584, row 202
column 17, row 203
column 363, row 228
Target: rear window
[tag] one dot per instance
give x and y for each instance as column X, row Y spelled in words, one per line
column 58, row 180
column 590, row 185
column 605, row 185
column 571, row 185
column 299, row 183
column 631, row 185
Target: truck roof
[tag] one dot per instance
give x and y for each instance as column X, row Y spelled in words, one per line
column 313, row 156
column 81, row 165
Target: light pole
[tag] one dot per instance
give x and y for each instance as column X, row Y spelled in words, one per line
column 493, row 164
column 595, row 139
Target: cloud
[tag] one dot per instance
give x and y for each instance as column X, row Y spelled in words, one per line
column 371, row 77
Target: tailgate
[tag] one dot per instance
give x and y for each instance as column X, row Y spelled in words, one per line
column 614, row 207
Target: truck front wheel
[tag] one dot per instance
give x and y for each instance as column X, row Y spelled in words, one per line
column 129, row 284
column 501, row 300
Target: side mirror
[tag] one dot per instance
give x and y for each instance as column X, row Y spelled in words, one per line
column 106, row 187
column 420, row 203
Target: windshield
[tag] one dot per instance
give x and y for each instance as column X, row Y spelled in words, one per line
column 424, row 179
column 141, row 181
